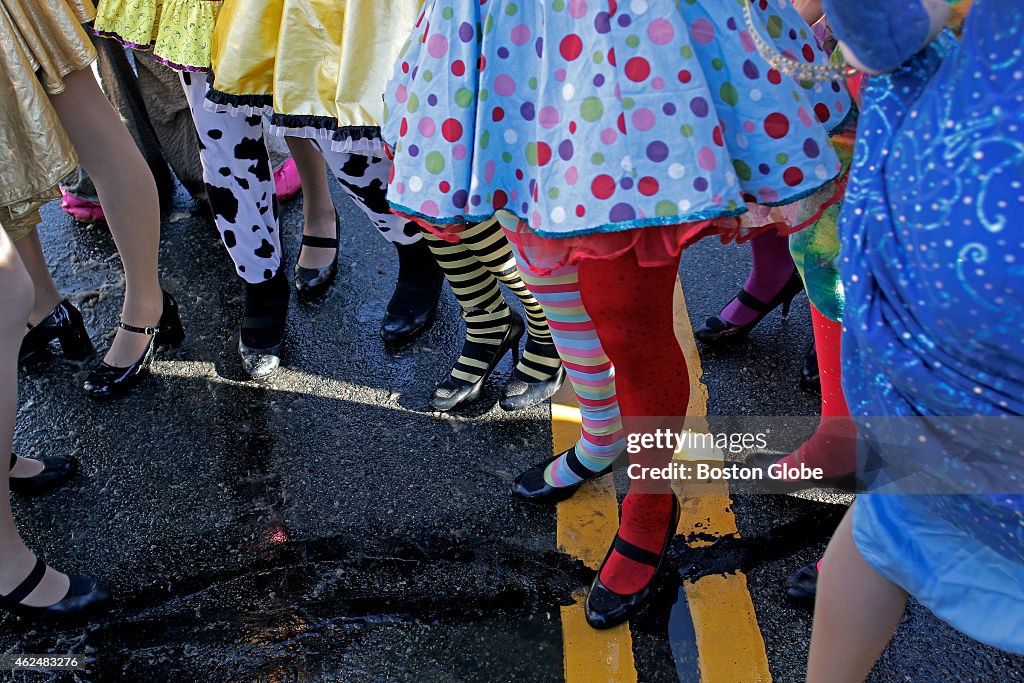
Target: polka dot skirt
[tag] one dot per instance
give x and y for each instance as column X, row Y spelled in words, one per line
column 583, row 117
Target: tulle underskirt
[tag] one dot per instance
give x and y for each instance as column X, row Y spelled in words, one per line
column 654, row 246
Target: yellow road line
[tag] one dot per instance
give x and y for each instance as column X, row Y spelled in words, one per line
column 730, row 646
column 593, row 656
column 586, row 522
column 586, row 525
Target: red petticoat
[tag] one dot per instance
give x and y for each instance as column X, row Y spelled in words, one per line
column 654, row 246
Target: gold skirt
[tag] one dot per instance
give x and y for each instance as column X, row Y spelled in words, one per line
column 320, row 64
column 41, row 42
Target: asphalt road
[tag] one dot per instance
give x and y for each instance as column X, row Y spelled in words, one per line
column 325, row 525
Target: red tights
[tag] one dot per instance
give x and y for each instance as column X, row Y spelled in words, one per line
column 833, row 446
column 631, row 307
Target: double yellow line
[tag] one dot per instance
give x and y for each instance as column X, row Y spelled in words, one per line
column 730, row 647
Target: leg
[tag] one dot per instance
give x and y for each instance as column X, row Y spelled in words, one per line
column 413, row 305
column 773, row 281
column 46, row 294
column 492, row 249
column 488, row 321
column 833, row 447
column 128, row 194
column 317, row 208
column 16, row 561
column 589, row 371
column 855, row 614
column 365, row 179
column 632, row 310
column 539, row 373
column 773, row 266
column 169, row 115
column 240, row 187
column 52, row 318
column 236, row 168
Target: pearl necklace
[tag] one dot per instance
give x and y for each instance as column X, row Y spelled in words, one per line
column 807, row 73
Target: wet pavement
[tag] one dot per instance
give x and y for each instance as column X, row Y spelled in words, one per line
column 325, row 525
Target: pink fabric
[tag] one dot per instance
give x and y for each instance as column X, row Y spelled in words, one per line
column 286, row 181
column 81, row 209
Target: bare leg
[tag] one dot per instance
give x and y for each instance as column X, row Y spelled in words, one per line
column 128, row 194
column 47, row 296
column 317, row 207
column 856, row 612
column 16, row 561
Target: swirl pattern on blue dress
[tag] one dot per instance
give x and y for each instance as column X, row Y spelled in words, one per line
column 933, row 269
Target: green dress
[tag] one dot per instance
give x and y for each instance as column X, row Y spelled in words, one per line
column 815, row 249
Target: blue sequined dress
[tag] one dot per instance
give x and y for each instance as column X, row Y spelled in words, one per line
column 933, row 269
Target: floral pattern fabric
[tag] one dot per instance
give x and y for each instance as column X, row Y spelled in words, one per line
column 178, row 33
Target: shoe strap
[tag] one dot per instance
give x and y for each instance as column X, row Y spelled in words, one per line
column 320, row 242
column 140, row 330
column 635, row 553
column 30, row 583
column 752, row 302
column 14, row 459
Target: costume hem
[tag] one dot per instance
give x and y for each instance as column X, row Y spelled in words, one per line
column 621, row 226
column 804, row 194
column 834, row 130
column 113, row 35
column 254, row 104
column 50, row 183
column 66, row 71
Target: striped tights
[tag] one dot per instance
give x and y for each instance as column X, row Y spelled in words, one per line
column 617, row 311
column 591, row 373
column 474, row 267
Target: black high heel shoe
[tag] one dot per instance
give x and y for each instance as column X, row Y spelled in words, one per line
column 717, row 331
column 56, row 471
column 810, row 376
column 519, row 395
column 108, row 382
column 261, row 338
column 85, row 596
column 531, row 487
column 312, row 282
column 524, row 389
column 451, row 392
column 63, row 324
column 413, row 306
column 606, row 608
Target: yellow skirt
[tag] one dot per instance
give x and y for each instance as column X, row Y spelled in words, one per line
column 41, row 42
column 320, row 64
column 176, row 32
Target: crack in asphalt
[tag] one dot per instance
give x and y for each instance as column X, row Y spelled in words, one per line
column 732, row 553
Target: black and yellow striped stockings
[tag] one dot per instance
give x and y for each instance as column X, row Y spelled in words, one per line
column 474, row 267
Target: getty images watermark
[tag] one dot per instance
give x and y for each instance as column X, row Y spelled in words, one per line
column 696, row 445
column 974, row 455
